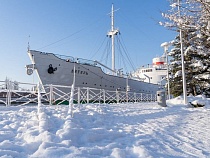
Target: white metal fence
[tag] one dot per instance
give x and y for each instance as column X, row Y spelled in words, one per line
column 12, row 94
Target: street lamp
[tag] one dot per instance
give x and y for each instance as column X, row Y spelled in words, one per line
column 182, row 59
column 165, row 45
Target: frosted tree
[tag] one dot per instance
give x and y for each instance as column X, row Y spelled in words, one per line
column 202, row 47
column 192, row 18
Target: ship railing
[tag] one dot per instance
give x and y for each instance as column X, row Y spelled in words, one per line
column 65, row 57
column 59, row 94
column 153, row 66
column 77, row 60
column 85, row 61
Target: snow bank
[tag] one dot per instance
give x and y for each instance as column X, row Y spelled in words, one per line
column 200, row 99
column 106, row 130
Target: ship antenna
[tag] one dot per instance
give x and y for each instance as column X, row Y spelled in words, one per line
column 111, row 34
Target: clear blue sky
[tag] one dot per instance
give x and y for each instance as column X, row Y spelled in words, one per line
column 84, row 22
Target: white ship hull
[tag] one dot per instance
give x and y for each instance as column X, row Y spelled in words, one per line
column 55, row 70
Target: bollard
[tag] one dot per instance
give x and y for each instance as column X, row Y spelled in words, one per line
column 161, row 99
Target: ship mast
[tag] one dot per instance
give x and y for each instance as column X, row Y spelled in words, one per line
column 111, row 34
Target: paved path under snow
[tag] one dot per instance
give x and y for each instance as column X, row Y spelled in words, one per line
column 116, row 130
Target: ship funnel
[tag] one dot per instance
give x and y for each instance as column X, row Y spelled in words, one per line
column 157, row 62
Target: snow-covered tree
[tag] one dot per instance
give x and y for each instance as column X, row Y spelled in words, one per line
column 192, row 18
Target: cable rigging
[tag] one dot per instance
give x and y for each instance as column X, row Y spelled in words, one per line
column 75, row 33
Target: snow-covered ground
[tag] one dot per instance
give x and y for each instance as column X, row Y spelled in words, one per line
column 113, row 130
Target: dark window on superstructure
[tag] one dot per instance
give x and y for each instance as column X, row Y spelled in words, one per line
column 147, row 70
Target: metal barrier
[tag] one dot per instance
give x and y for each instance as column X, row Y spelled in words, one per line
column 12, row 94
column 58, row 94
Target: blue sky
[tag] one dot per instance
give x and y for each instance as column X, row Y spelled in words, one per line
column 82, row 24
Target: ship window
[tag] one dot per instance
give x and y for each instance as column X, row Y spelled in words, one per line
column 95, row 84
column 85, row 83
column 105, row 85
column 100, row 85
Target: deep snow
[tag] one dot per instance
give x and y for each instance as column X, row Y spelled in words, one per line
column 112, row 130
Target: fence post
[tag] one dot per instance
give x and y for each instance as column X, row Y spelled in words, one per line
column 78, row 90
column 126, row 96
column 141, row 97
column 39, row 98
column 104, row 95
column 51, row 94
column 8, row 102
column 87, row 94
column 135, row 97
column 117, row 96
column 151, row 98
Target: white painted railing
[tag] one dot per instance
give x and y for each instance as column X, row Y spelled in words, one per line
column 58, row 94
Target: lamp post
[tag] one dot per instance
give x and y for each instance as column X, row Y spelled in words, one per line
column 182, row 59
column 165, row 45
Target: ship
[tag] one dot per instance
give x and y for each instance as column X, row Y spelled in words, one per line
column 155, row 73
column 58, row 69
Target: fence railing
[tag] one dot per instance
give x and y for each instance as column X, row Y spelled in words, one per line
column 58, row 94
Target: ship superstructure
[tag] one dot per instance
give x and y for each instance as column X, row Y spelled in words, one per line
column 155, row 73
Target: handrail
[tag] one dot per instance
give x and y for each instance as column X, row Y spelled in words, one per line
column 60, row 94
